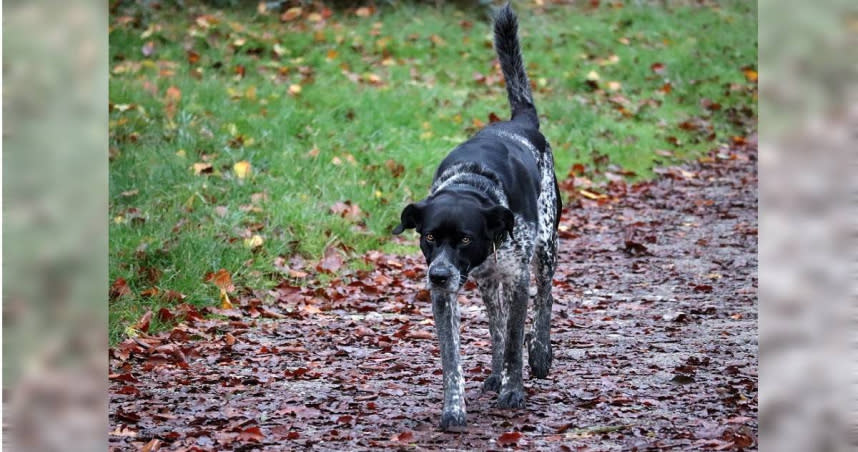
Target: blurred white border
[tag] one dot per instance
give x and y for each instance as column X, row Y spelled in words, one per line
column 808, row 124
column 54, row 225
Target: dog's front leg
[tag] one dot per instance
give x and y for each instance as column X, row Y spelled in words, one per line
column 512, row 386
column 489, row 289
column 445, row 308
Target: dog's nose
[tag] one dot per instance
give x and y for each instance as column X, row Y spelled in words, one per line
column 439, row 276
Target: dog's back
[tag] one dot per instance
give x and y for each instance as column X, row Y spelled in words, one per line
column 514, row 151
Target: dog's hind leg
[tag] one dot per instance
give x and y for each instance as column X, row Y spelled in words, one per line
column 515, row 299
column 490, row 291
column 445, row 309
column 539, row 354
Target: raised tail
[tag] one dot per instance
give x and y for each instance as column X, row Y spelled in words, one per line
column 512, row 66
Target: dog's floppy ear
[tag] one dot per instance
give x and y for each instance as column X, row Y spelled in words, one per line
column 411, row 217
column 499, row 221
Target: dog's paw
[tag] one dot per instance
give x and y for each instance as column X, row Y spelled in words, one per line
column 492, row 383
column 453, row 421
column 539, row 356
column 511, row 398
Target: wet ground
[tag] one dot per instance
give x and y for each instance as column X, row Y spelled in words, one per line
column 654, row 336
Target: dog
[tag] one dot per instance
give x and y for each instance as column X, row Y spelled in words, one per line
column 492, row 213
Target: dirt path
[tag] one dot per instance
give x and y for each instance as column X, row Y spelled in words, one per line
column 654, row 336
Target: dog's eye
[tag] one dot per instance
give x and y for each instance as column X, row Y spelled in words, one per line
column 429, row 237
column 466, row 240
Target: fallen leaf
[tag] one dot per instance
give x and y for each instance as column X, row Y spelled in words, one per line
column 255, row 241
column 251, row 434
column 396, row 168
column 152, row 446
column 143, row 324
column 165, row 316
column 174, row 93
column 331, row 262
column 348, row 210
column 173, row 296
column 193, row 57
column 291, row 14
column 119, row 288
column 509, row 438
column 225, row 302
column 202, row 168
column 151, row 292
column 222, row 279
column 241, row 169
column 658, row 68
column 403, row 437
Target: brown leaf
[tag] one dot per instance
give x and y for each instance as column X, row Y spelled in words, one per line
column 128, row 390
column 119, row 288
column 173, row 296
column 421, row 334
column 396, row 168
column 143, row 323
column 493, row 117
column 193, row 57
column 251, row 434
column 291, row 14
column 126, row 377
column 202, row 168
column 423, row 295
column 347, row 210
column 658, row 68
column 174, row 93
column 403, row 437
column 509, row 439
column 709, row 105
column 165, row 316
column 221, row 279
column 331, row 262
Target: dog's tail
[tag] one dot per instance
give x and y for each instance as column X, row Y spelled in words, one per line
column 512, row 66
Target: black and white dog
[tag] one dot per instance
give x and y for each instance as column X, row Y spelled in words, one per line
column 492, row 212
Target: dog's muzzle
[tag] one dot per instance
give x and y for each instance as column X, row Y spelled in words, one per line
column 439, row 276
column 443, row 275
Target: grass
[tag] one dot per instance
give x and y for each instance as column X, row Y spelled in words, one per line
column 382, row 99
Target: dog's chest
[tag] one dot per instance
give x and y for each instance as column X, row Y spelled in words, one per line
column 512, row 257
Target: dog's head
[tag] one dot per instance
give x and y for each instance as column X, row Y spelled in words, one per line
column 457, row 233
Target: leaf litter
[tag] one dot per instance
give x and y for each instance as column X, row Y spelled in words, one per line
column 651, row 350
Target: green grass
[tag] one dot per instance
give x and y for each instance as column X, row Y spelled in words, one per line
column 423, row 104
